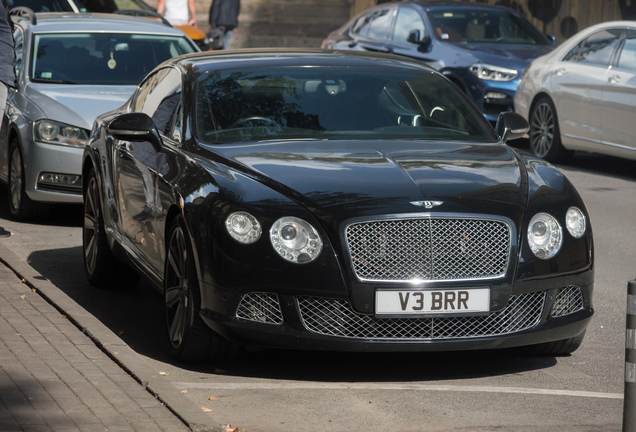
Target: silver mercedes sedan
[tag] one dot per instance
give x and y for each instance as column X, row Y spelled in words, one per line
column 581, row 95
column 70, row 68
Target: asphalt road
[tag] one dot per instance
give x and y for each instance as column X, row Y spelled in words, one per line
column 310, row 391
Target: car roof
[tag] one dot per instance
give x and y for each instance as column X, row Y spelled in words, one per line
column 452, row 5
column 291, row 56
column 65, row 22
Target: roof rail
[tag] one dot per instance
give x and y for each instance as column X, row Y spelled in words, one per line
column 23, row 12
column 143, row 13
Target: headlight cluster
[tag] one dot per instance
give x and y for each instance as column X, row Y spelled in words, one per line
column 493, row 73
column 59, row 133
column 293, row 239
column 545, row 235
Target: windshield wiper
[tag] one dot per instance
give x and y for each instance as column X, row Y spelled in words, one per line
column 52, row 81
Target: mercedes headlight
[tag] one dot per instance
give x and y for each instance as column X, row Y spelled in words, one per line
column 59, row 133
column 243, row 227
column 295, row 240
column 545, row 236
column 493, row 73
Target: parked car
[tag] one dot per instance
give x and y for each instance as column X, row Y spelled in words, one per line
column 132, row 7
column 332, row 201
column 70, row 68
column 481, row 48
column 580, row 97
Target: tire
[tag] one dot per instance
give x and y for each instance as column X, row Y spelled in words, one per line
column 545, row 135
column 189, row 337
column 102, row 268
column 558, row 348
column 21, row 207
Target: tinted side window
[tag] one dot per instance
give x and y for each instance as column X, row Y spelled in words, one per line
column 627, row 59
column 375, row 25
column 159, row 97
column 598, row 48
column 407, row 20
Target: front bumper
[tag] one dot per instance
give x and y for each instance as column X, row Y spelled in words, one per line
column 55, row 159
column 303, row 322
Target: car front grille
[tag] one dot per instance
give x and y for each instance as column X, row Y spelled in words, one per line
column 430, row 249
column 335, row 317
column 260, row 307
column 568, row 300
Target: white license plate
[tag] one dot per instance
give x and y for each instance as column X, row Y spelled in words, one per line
column 472, row 301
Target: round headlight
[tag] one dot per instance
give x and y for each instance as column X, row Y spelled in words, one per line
column 48, row 130
column 544, row 236
column 295, row 240
column 575, row 222
column 243, row 227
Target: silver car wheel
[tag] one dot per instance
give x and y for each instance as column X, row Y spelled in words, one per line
column 542, row 129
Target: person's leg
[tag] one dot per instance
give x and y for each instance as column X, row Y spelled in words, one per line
column 227, row 38
column 4, row 90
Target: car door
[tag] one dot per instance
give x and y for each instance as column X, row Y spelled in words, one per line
column 577, row 87
column 618, row 105
column 139, row 164
column 408, row 20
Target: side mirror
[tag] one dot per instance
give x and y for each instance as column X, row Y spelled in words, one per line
column 511, row 126
column 135, row 127
column 551, row 38
column 415, row 37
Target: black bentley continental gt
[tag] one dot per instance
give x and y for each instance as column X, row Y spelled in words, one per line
column 329, row 200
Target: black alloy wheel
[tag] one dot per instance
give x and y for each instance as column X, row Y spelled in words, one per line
column 101, row 267
column 191, row 340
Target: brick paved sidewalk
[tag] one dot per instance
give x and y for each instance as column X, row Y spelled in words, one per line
column 54, row 378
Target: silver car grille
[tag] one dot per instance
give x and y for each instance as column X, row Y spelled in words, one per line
column 260, row 307
column 335, row 317
column 432, row 249
column 568, row 300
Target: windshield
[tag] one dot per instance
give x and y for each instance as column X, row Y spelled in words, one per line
column 381, row 102
column 478, row 25
column 101, row 58
column 43, row 5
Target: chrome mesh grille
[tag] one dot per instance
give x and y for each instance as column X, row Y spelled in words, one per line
column 260, row 307
column 334, row 317
column 433, row 249
column 569, row 299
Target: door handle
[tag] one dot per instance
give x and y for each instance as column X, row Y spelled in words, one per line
column 614, row 79
column 561, row 71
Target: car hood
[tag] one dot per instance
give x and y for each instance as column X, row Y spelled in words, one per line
column 516, row 55
column 77, row 105
column 390, row 176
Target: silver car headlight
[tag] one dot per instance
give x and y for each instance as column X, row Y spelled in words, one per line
column 493, row 73
column 295, row 240
column 59, row 133
column 575, row 222
column 243, row 227
column 545, row 236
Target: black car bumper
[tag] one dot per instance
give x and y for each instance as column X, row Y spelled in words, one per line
column 330, row 324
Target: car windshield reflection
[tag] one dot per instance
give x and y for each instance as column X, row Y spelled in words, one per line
column 101, row 58
column 333, row 103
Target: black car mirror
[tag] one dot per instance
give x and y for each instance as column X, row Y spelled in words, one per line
column 511, row 126
column 135, row 127
column 415, row 37
column 551, row 38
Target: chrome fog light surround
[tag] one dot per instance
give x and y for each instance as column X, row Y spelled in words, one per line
column 59, row 179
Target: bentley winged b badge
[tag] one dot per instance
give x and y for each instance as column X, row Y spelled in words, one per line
column 427, row 204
